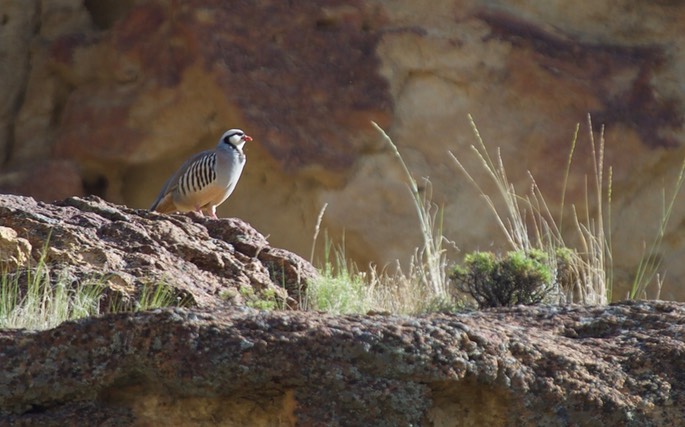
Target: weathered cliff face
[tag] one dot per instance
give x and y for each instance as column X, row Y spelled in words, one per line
column 616, row 365
column 109, row 97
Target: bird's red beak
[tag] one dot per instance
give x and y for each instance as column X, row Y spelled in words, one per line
column 247, row 138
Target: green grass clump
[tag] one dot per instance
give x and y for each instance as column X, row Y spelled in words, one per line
column 343, row 289
column 29, row 299
column 340, row 288
column 264, row 300
column 43, row 297
column 152, row 295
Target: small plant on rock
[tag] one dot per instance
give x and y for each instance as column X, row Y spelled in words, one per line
column 496, row 281
column 264, row 300
column 341, row 288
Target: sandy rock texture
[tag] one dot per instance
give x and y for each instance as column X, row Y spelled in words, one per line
column 109, row 97
column 204, row 262
column 545, row 366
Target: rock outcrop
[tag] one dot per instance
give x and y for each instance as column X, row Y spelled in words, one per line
column 108, row 97
column 204, row 262
column 219, row 362
column 544, row 366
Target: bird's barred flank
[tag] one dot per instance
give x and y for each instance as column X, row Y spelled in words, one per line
column 200, row 174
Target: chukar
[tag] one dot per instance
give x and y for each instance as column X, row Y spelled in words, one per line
column 205, row 180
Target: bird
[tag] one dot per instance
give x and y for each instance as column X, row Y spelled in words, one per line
column 206, row 179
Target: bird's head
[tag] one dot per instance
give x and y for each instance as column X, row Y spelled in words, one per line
column 235, row 137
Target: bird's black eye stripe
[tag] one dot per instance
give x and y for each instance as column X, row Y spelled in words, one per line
column 227, row 139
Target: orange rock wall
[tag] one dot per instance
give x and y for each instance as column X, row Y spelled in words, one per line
column 109, row 97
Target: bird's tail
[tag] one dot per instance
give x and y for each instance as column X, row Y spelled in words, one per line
column 164, row 204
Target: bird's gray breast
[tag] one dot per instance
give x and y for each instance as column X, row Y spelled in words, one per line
column 229, row 166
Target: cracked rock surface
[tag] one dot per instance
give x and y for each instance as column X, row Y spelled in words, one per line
column 550, row 366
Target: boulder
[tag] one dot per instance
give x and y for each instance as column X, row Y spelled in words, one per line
column 204, row 262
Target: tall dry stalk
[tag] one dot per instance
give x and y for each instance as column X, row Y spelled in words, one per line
column 431, row 255
column 528, row 223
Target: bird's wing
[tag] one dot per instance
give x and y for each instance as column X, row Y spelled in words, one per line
column 172, row 183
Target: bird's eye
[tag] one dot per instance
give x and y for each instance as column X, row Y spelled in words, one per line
column 228, row 139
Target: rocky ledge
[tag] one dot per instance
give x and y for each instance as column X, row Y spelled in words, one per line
column 204, row 261
column 601, row 366
column 219, row 362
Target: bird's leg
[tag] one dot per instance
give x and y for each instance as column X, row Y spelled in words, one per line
column 199, row 212
column 212, row 212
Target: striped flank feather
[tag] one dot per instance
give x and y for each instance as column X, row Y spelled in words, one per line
column 199, row 175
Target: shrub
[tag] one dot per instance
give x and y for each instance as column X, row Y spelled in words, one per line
column 494, row 281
